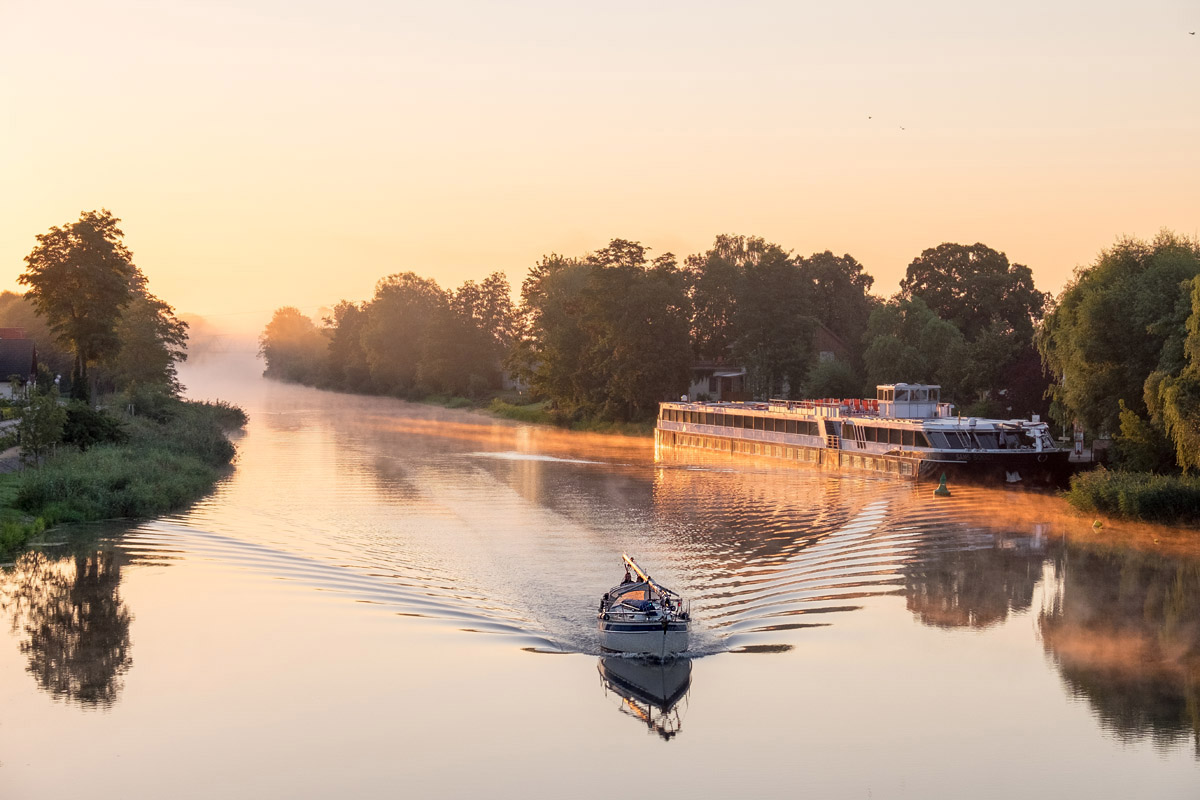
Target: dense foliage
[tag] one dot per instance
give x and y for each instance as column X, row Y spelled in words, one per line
column 1123, row 343
column 89, row 298
column 606, row 335
column 610, row 334
column 412, row 339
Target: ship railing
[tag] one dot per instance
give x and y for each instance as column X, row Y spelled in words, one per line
column 828, row 406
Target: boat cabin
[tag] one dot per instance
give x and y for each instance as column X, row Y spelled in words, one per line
column 908, row 400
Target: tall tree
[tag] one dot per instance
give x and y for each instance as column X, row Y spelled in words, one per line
column 293, row 346
column 907, row 342
column 756, row 305
column 152, row 341
column 838, row 292
column 1176, row 398
column 973, row 285
column 347, row 366
column 995, row 305
column 393, row 337
column 80, row 277
column 606, row 335
column 1119, row 320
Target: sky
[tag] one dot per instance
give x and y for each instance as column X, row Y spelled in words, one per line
column 265, row 153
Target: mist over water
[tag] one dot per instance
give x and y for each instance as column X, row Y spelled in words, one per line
column 377, row 586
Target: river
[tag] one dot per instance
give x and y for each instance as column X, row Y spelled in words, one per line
column 385, row 599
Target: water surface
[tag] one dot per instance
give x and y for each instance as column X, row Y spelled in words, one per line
column 385, row 599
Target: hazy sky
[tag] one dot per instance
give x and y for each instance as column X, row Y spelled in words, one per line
column 271, row 153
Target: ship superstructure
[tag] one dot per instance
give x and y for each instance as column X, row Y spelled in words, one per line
column 905, row 431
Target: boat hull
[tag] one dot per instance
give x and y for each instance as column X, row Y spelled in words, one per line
column 644, row 638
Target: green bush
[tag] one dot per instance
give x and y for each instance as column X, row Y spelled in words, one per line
column 1137, row 495
column 85, row 427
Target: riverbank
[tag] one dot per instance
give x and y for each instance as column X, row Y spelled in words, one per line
column 156, row 466
column 1139, row 496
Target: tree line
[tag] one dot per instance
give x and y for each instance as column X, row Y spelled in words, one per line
column 610, row 334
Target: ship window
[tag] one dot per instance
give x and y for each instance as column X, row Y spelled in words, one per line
column 710, row 419
column 901, row 395
column 988, row 441
column 939, row 439
column 768, row 424
column 792, row 427
column 921, row 441
column 758, row 423
column 908, row 439
column 870, row 434
column 919, row 395
column 893, row 436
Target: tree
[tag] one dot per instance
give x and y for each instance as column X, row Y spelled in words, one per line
column 1177, row 397
column 996, row 306
column 773, row 325
column 347, row 366
column 548, row 353
column 907, row 342
column 467, row 339
column 293, row 346
column 80, row 278
column 152, row 341
column 1119, row 320
column 41, row 427
column 635, row 320
column 393, row 336
column 605, row 335
column 973, row 285
column 838, row 292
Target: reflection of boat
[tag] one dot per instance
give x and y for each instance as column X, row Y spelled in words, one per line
column 642, row 616
column 649, row 691
column 905, row 431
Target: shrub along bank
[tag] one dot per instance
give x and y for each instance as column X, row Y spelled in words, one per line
column 142, row 467
column 1137, row 495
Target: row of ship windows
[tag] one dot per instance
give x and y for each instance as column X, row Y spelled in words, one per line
column 943, row 440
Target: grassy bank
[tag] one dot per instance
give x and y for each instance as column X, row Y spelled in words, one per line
column 162, row 464
column 1137, row 496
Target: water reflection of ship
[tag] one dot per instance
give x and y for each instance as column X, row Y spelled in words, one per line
column 649, row 691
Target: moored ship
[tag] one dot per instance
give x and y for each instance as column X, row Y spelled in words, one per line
column 904, row 431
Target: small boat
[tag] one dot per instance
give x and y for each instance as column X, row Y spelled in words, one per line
column 642, row 616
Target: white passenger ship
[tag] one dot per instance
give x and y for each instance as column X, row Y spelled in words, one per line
column 905, row 431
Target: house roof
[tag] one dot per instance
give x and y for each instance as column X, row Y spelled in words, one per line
column 17, row 357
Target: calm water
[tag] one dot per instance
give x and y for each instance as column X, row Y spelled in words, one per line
column 390, row 600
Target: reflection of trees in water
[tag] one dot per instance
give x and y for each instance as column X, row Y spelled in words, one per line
column 1124, row 628
column 75, row 626
column 973, row 588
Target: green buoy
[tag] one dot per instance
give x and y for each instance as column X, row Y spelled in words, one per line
column 942, row 491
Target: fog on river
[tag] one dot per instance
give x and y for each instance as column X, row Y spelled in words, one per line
column 387, row 599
